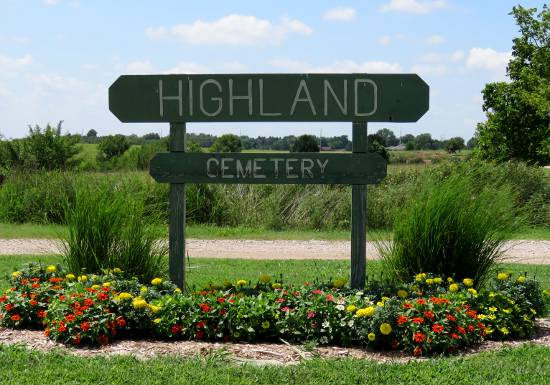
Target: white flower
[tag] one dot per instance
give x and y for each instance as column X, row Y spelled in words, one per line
column 340, row 307
column 325, row 324
column 351, row 323
column 323, row 340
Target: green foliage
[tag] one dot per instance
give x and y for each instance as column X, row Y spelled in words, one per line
column 108, row 230
column 112, row 146
column 92, row 133
column 453, row 227
column 518, row 112
column 376, row 144
column 388, row 137
column 305, row 143
column 454, row 144
column 227, row 143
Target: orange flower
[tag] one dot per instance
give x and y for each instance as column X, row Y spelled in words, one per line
column 418, row 320
column 61, row 328
column 16, row 317
column 402, row 319
column 429, row 314
column 420, row 301
column 437, row 328
column 419, row 337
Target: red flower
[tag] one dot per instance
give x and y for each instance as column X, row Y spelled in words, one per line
column 472, row 313
column 85, row 326
column 9, row 307
column 88, row 302
column 47, row 332
column 222, row 311
column 455, row 336
column 200, row 324
column 105, row 289
column 16, row 317
column 471, row 328
column 418, row 320
column 70, row 317
column 438, row 301
column 121, row 322
column 285, row 308
column 24, row 281
column 231, row 301
column 450, row 317
column 461, row 329
column 35, row 285
column 76, row 339
column 221, row 300
column 429, row 314
column 419, row 337
column 41, row 314
column 62, row 297
column 402, row 319
column 103, row 296
column 103, row 339
column 421, row 301
column 199, row 334
column 33, row 302
column 437, row 328
column 417, row 352
column 311, row 314
column 317, row 291
column 176, row 329
column 330, row 298
column 3, row 299
column 280, row 300
column 35, row 279
column 407, row 305
column 296, row 293
column 205, row 307
column 61, row 328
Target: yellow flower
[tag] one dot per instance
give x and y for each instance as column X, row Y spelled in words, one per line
column 116, row 270
column 241, row 282
column 16, row 274
column 351, row 308
column 488, row 330
column 156, row 320
column 276, row 285
column 340, row 282
column 82, row 278
column 265, row 324
column 493, row 309
column 453, row 287
column 371, row 336
column 437, row 280
column 139, row 303
column 414, row 287
column 419, row 277
column 533, row 310
column 385, row 329
column 481, row 316
column 402, row 293
column 51, row 269
column 492, row 295
column 95, row 287
column 143, row 289
column 429, row 281
column 177, row 290
column 450, row 279
column 507, row 311
column 125, row 296
column 502, row 276
column 468, row 282
column 265, row 278
column 472, row 291
column 504, row 330
column 492, row 317
column 106, row 284
column 154, row 309
column 156, row 281
column 520, row 279
column 546, row 292
column 380, row 303
column 365, row 312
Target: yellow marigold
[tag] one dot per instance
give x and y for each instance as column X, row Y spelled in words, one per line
column 380, row 303
column 82, row 278
column 520, row 279
column 241, row 282
column 156, row 320
column 502, row 276
column 507, row 310
column 139, row 303
column 265, row 278
column 16, row 274
column 430, row 281
column 154, row 309
column 492, row 317
column 385, row 329
column 453, row 287
column 402, row 293
column 493, row 309
column 472, row 291
column 96, row 287
column 489, row 330
column 125, row 296
column 351, row 308
column 365, row 312
column 106, row 284
column 468, row 282
column 143, row 289
column 156, row 281
column 481, row 316
column 438, row 280
column 450, row 279
column 177, row 290
column 371, row 336
column 276, row 285
column 51, row 269
column 116, row 270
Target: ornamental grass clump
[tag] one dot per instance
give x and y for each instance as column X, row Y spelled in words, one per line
column 454, row 227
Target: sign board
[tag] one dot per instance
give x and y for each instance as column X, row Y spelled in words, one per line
column 293, row 168
column 269, row 98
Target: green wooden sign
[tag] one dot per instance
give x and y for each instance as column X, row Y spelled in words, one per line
column 293, row 168
column 269, row 97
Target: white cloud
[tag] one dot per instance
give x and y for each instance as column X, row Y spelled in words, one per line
column 187, row 68
column 430, row 69
column 413, row 6
column 10, row 66
column 457, row 55
column 487, row 59
column 435, row 39
column 340, row 66
column 385, row 40
column 340, row 14
column 232, row 30
column 138, row 68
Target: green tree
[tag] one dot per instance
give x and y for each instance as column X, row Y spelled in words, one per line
column 305, row 143
column 388, row 137
column 227, row 143
column 375, row 144
column 112, row 146
column 518, row 112
column 92, row 133
column 423, row 141
column 454, row 144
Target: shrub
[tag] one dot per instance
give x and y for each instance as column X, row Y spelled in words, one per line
column 453, row 227
column 112, row 146
column 107, row 230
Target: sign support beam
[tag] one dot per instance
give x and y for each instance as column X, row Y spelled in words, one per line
column 176, row 238
column 359, row 213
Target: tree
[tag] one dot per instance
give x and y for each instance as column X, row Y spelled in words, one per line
column 388, row 137
column 305, row 143
column 92, row 134
column 151, row 136
column 518, row 112
column 112, row 146
column 375, row 145
column 423, row 141
column 227, row 143
column 472, row 143
column 454, row 144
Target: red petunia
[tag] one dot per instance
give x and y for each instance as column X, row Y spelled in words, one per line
column 419, row 337
column 402, row 319
column 437, row 328
column 418, row 320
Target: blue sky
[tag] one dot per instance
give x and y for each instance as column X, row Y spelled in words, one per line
column 58, row 57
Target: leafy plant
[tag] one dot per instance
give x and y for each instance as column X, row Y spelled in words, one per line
column 112, row 146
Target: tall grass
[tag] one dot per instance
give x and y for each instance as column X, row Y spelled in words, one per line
column 107, row 231
column 455, row 227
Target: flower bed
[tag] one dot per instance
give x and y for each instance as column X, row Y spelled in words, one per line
column 430, row 315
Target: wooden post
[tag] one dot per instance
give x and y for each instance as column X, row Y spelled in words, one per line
column 359, row 214
column 176, row 237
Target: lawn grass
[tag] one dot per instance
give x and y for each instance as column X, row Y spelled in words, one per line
column 525, row 365
column 29, row 230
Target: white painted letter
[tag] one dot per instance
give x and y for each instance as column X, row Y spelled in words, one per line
column 244, row 172
column 276, row 162
column 322, row 166
column 290, row 168
column 241, row 97
column 307, row 169
column 201, row 97
column 297, row 98
column 262, row 113
column 224, row 167
column 344, row 107
column 162, row 98
column 375, row 97
column 208, row 171
column 258, row 168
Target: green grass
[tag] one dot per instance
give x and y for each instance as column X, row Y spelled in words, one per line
column 524, row 365
column 30, row 230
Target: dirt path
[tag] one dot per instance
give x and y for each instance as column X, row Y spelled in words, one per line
column 535, row 252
